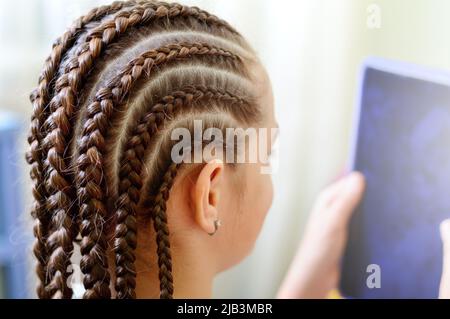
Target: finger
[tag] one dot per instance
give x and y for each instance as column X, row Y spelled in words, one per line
column 328, row 195
column 444, row 290
column 348, row 197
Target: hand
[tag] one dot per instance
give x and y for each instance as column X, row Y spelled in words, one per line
column 315, row 270
column 444, row 291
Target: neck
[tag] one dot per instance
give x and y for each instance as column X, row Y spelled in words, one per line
column 193, row 282
column 193, row 274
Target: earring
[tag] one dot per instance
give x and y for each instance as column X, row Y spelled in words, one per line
column 217, row 224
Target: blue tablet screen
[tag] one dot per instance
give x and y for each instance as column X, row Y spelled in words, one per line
column 403, row 149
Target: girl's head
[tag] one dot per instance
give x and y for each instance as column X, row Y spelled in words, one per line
column 110, row 98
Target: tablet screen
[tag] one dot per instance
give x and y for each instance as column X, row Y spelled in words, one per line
column 403, row 149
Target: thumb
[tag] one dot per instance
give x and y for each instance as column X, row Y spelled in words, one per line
column 348, row 197
column 444, row 290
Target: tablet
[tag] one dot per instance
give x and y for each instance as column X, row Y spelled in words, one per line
column 402, row 146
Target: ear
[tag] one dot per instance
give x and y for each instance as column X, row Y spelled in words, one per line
column 206, row 195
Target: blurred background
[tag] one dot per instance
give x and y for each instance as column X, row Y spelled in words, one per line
column 312, row 50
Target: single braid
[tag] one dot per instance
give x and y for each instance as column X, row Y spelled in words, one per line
column 130, row 184
column 162, row 233
column 39, row 99
column 146, row 12
column 90, row 166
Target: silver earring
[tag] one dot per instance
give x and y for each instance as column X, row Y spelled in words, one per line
column 217, row 224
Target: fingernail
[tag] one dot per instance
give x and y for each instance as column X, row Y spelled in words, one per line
column 445, row 228
column 352, row 180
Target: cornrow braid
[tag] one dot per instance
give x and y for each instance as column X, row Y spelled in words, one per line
column 102, row 109
column 162, row 233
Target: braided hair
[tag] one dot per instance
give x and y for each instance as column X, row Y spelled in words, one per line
column 114, row 85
